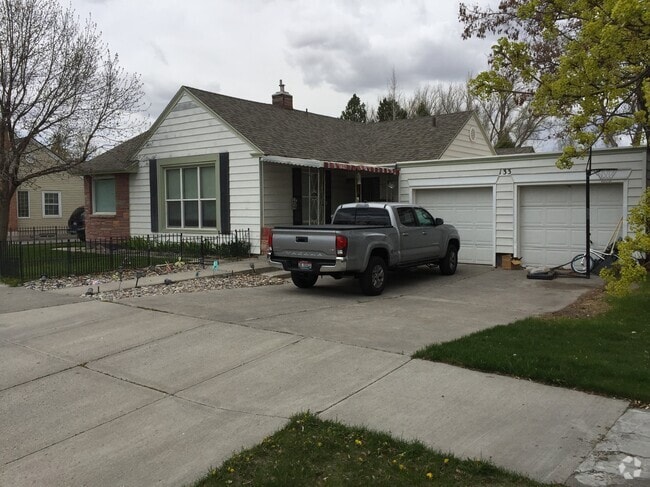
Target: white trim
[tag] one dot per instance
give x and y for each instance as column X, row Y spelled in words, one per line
column 59, row 204
column 567, row 177
column 481, row 181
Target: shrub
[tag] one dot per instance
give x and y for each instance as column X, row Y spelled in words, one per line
column 633, row 251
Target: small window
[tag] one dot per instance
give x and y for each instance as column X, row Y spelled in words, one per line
column 362, row 216
column 424, row 218
column 51, row 204
column 406, row 217
column 23, row 204
column 104, row 195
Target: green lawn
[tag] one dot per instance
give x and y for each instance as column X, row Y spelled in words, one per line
column 607, row 354
column 309, row 452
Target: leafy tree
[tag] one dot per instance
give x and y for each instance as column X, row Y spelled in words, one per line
column 355, row 110
column 390, row 109
column 59, row 87
column 629, row 270
column 585, row 62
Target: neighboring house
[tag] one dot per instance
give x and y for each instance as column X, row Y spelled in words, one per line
column 212, row 163
column 43, row 203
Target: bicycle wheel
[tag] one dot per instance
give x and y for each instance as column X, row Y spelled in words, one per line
column 580, row 264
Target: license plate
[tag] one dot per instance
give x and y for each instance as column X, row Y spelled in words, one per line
column 304, row 265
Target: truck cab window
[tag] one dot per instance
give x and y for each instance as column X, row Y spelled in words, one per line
column 424, row 218
column 406, row 217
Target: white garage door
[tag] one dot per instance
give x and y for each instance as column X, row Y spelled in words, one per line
column 471, row 211
column 552, row 220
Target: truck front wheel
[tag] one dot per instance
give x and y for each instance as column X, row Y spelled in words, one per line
column 449, row 262
column 304, row 280
column 373, row 278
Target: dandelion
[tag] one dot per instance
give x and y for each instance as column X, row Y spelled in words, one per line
column 231, row 470
column 446, row 461
column 358, row 442
column 429, row 475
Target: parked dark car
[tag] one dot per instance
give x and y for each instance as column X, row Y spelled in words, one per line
column 77, row 223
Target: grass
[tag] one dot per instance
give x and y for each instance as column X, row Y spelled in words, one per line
column 607, row 354
column 311, row 452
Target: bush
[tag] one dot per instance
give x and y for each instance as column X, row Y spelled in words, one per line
column 630, row 268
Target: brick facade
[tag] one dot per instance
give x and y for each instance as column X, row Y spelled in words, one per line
column 106, row 226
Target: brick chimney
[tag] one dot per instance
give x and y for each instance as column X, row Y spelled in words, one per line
column 283, row 99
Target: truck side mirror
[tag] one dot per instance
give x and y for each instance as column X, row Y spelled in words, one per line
column 438, row 221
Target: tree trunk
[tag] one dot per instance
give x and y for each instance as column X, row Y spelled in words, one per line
column 7, row 190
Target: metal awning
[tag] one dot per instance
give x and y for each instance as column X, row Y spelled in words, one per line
column 344, row 166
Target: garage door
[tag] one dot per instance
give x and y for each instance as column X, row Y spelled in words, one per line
column 551, row 220
column 471, row 211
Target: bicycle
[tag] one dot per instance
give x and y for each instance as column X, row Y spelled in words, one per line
column 581, row 263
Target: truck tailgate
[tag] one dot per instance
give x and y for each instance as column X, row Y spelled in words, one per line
column 306, row 244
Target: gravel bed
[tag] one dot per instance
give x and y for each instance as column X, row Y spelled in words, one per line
column 206, row 283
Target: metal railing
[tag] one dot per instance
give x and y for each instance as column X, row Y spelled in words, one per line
column 38, row 234
column 65, row 257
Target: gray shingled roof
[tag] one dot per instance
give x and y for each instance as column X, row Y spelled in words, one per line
column 120, row 158
column 294, row 133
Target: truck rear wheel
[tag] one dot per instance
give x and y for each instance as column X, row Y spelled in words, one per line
column 449, row 262
column 373, row 278
column 304, row 280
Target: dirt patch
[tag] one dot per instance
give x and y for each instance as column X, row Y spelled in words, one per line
column 591, row 303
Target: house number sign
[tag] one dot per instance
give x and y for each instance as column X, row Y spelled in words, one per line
column 505, row 172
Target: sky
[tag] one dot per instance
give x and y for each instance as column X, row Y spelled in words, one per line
column 323, row 51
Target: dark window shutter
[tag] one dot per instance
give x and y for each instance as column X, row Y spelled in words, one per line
column 153, row 193
column 296, row 204
column 224, row 191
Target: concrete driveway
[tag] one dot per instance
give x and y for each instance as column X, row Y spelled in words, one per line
column 156, row 390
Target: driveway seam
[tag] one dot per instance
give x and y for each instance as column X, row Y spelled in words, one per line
column 364, row 387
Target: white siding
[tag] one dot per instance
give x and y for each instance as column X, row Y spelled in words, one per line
column 277, row 194
column 509, row 173
column 464, row 145
column 189, row 129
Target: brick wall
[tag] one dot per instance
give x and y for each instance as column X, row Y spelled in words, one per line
column 106, row 226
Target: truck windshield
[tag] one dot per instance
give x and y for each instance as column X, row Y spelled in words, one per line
column 362, row 216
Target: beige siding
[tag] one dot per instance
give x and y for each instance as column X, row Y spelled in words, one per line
column 71, row 189
column 464, row 145
column 509, row 173
column 189, row 129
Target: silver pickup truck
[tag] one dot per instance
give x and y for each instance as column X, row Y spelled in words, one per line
column 364, row 241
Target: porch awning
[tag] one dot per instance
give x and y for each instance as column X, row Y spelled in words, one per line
column 344, row 166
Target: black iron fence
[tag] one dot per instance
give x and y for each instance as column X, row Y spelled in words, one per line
column 38, row 234
column 65, row 257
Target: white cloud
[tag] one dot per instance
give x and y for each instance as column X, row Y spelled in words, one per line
column 323, row 51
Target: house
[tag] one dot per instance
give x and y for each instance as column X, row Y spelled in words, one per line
column 44, row 204
column 212, row 163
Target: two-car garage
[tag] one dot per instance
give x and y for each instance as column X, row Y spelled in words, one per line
column 535, row 212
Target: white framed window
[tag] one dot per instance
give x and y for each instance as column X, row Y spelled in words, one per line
column 51, row 204
column 191, row 197
column 104, row 195
column 22, row 200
